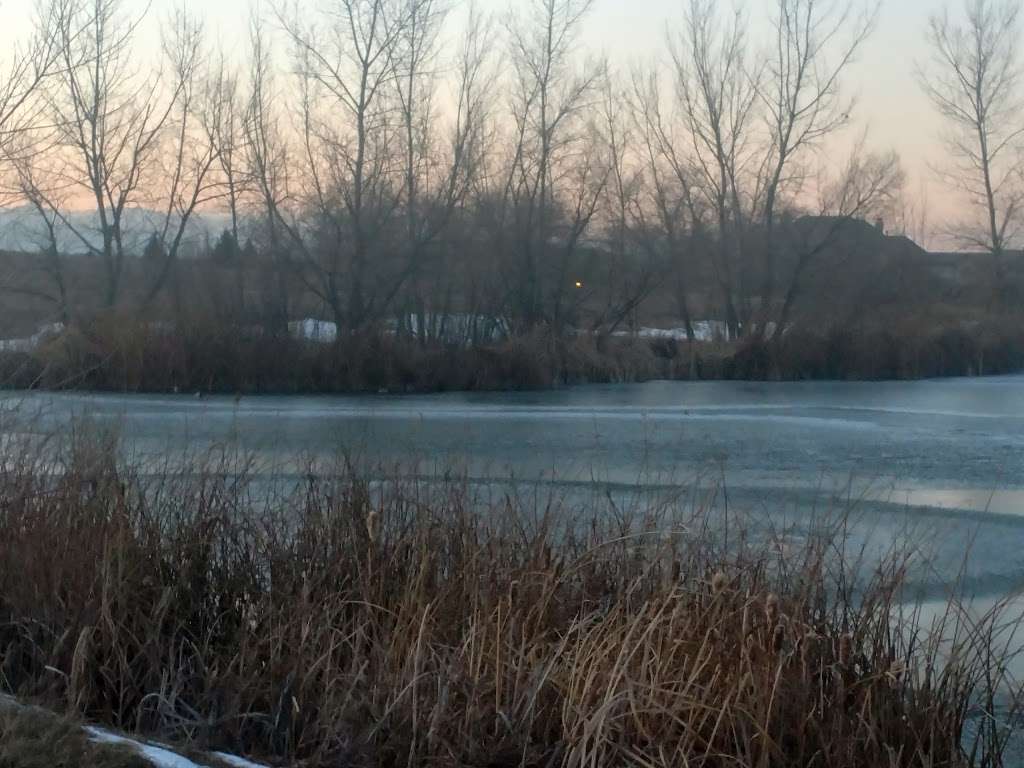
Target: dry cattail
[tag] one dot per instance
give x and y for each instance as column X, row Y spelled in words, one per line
column 78, row 679
column 371, row 525
column 771, row 608
column 896, row 670
column 719, row 583
column 808, row 645
column 778, row 638
column 845, row 649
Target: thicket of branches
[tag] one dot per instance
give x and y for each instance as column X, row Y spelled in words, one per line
column 371, row 158
column 407, row 161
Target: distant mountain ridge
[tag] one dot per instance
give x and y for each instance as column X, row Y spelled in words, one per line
column 23, row 230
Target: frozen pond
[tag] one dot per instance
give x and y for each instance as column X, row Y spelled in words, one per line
column 943, row 459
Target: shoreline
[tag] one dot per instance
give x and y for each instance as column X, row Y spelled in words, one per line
column 126, row 358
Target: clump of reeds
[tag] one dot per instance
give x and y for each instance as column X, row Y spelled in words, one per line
column 331, row 620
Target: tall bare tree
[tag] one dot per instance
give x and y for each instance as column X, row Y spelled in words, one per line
column 551, row 98
column 190, row 152
column 444, row 160
column 814, row 44
column 266, row 162
column 671, row 188
column 868, row 186
column 630, row 265
column 26, row 67
column 974, row 81
column 222, row 116
column 717, row 89
column 345, row 62
column 111, row 118
column 26, row 135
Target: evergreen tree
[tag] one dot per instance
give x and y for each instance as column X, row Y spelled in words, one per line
column 226, row 249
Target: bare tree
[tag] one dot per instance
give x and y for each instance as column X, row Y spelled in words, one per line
column 717, row 89
column 111, row 119
column 266, row 161
column 190, row 153
column 346, row 68
column 28, row 65
column 26, row 135
column 442, row 165
column 867, row 187
column 630, row 264
column 974, row 81
column 912, row 219
column 551, row 100
column 31, row 185
column 815, row 41
column 222, row 116
column 671, row 190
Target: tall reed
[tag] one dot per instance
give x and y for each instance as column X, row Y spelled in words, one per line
column 330, row 618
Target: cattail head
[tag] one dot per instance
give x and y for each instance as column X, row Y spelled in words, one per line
column 845, row 649
column 778, row 638
column 771, row 608
column 896, row 670
column 808, row 645
column 372, row 525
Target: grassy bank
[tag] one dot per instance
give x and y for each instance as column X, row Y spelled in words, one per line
column 116, row 354
column 329, row 620
column 34, row 738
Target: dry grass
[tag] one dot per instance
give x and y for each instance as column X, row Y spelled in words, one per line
column 331, row 620
column 907, row 349
column 32, row 738
column 121, row 354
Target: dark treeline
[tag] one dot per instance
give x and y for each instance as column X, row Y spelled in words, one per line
column 421, row 169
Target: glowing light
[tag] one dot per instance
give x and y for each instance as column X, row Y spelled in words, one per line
column 579, row 284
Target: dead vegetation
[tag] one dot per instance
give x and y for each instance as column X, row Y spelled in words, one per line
column 332, row 619
column 121, row 354
column 33, row 738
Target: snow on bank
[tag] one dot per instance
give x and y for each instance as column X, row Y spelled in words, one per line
column 452, row 328
column 311, row 329
column 160, row 756
column 703, row 331
column 30, row 343
column 237, row 762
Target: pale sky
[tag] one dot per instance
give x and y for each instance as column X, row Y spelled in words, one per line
column 890, row 104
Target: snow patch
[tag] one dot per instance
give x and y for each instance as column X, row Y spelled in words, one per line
column 238, row 762
column 159, row 756
column 703, row 330
column 32, row 342
column 453, row 327
column 311, row 329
